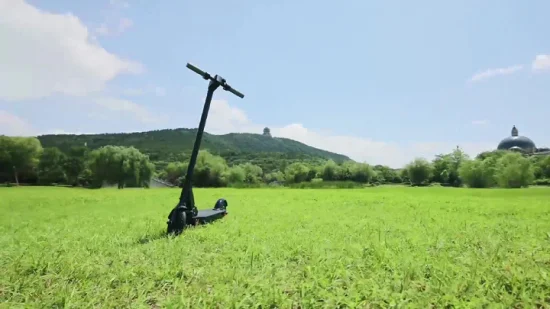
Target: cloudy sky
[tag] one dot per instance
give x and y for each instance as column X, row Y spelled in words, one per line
column 380, row 81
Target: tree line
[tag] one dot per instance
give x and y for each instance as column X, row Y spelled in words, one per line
column 165, row 146
column 24, row 160
column 503, row 169
column 499, row 168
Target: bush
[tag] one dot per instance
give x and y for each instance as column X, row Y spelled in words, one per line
column 419, row 172
column 327, row 185
column 513, row 170
column 235, row 175
column 542, row 182
column 124, row 166
column 478, row 173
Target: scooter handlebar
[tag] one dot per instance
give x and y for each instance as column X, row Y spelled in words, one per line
column 207, row 76
column 197, row 70
column 234, row 91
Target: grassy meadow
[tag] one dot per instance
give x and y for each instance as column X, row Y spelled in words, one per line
column 277, row 248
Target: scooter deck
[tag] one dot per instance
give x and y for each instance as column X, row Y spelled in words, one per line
column 209, row 215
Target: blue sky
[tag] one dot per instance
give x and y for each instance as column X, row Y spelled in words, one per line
column 381, row 81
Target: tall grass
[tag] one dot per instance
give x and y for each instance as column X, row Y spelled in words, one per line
column 373, row 248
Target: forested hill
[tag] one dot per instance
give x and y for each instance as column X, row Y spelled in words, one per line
column 174, row 144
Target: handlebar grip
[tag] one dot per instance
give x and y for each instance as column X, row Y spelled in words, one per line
column 196, row 70
column 235, row 92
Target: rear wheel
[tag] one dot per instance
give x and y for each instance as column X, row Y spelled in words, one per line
column 177, row 221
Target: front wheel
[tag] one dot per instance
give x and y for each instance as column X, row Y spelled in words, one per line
column 221, row 204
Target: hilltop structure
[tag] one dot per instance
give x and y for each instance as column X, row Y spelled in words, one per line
column 522, row 144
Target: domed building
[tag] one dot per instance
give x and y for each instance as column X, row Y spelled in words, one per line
column 519, row 143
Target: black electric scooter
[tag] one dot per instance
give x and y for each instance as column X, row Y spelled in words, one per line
column 186, row 213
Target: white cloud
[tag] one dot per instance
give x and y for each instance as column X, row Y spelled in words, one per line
column 156, row 90
column 224, row 118
column 13, row 125
column 62, row 132
column 102, row 30
column 365, row 149
column 49, row 54
column 122, row 26
column 113, row 24
column 541, row 62
column 133, row 91
column 495, row 72
column 137, row 111
column 44, row 54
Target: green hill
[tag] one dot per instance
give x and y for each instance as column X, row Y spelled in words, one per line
column 171, row 145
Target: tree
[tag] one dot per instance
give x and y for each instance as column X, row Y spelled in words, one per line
column 277, row 176
column 513, row 170
column 362, row 173
column 456, row 158
column 494, row 153
column 329, row 171
column 19, row 156
column 296, row 172
column 404, row 175
column 75, row 165
column 253, row 173
column 314, row 170
column 419, row 172
column 543, row 166
column 124, row 166
column 209, row 170
column 6, row 165
column 441, row 168
column 386, row 175
column 478, row 173
column 174, row 173
column 346, row 170
column 446, row 166
column 235, row 175
column 50, row 167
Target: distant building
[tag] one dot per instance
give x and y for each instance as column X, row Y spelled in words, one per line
column 267, row 132
column 522, row 144
column 157, row 183
column 154, row 183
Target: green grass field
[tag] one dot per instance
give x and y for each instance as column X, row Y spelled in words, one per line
column 278, row 248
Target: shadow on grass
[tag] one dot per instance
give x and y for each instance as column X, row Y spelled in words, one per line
column 152, row 237
column 161, row 234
